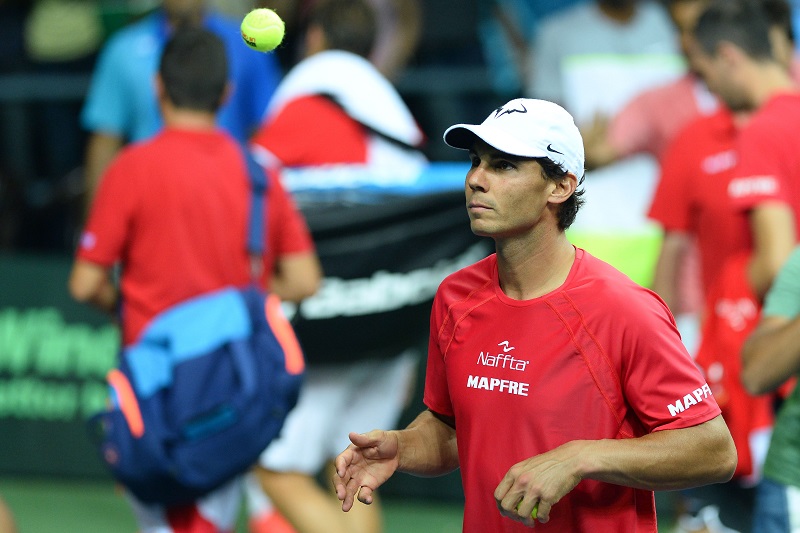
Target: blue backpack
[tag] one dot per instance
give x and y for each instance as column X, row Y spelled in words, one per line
column 203, row 392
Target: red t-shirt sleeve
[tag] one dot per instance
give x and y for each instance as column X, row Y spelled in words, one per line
column 287, row 230
column 312, row 130
column 437, row 391
column 660, row 380
column 111, row 216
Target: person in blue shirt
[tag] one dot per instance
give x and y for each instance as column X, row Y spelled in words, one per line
column 121, row 103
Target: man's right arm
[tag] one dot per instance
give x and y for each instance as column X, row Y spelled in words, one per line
column 773, row 229
column 90, row 283
column 100, row 150
column 428, row 445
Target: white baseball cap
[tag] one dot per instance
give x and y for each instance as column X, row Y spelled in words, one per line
column 527, row 128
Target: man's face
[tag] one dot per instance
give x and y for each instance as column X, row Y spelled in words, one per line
column 722, row 78
column 507, row 196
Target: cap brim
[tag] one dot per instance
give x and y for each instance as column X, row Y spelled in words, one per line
column 463, row 136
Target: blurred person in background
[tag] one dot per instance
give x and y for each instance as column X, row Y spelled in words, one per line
column 720, row 186
column 172, row 212
column 770, row 356
column 678, row 265
column 121, row 105
column 507, row 29
column 649, row 121
column 593, row 59
column 336, row 108
column 601, row 27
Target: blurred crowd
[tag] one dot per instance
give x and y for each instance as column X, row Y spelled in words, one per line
column 660, row 107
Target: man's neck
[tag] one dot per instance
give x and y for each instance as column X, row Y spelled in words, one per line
column 189, row 119
column 533, row 267
column 769, row 79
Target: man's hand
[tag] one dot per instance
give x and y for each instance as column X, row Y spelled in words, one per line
column 365, row 465
column 541, row 480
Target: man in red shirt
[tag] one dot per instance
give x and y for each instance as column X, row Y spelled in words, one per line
column 552, row 378
column 727, row 181
column 172, row 211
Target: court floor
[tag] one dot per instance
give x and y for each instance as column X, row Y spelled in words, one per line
column 67, row 506
column 75, row 506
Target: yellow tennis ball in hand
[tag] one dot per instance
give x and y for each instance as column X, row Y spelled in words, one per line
column 262, row 29
column 535, row 511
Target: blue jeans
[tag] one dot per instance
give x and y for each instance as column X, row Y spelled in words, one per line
column 771, row 508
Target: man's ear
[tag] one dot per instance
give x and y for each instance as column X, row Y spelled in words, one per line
column 730, row 53
column 565, row 187
column 161, row 92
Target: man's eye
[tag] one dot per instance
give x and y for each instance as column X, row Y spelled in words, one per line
column 504, row 165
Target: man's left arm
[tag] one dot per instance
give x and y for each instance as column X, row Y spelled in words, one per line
column 91, row 283
column 670, row 459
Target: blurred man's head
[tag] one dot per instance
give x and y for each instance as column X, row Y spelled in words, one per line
column 347, row 25
column 194, row 70
column 731, row 37
column 618, row 4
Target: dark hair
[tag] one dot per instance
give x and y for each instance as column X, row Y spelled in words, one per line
column 347, row 24
column 569, row 208
column 741, row 22
column 194, row 69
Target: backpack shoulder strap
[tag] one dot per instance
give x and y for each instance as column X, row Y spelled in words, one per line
column 257, row 223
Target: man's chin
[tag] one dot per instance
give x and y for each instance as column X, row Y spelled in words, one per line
column 480, row 229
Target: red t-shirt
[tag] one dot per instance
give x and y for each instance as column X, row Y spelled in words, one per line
column 313, row 131
column 768, row 148
column 598, row 358
column 174, row 211
column 690, row 196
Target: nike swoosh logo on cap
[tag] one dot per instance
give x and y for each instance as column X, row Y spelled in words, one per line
column 550, row 149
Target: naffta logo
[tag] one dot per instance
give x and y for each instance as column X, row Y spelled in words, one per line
column 503, row 360
column 500, row 111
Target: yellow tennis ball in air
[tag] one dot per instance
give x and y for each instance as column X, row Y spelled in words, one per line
column 262, row 29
